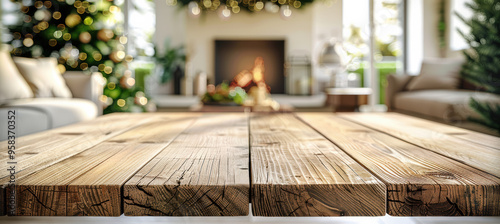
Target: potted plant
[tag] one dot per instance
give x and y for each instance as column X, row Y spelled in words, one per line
column 170, row 64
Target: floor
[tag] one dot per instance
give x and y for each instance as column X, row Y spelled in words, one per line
column 251, row 219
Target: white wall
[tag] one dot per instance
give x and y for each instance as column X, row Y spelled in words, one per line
column 430, row 23
column 302, row 33
column 423, row 36
column 327, row 23
column 170, row 23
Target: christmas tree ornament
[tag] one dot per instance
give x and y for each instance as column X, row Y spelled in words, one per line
column 42, row 14
column 85, row 37
column 105, row 35
column 28, row 42
column 88, row 21
column 72, row 20
column 56, row 15
column 126, row 81
column 114, row 57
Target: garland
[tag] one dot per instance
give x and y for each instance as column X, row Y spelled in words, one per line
column 237, row 5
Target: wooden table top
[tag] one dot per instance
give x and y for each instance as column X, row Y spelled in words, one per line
column 284, row 164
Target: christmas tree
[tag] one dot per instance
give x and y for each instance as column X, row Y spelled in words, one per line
column 82, row 35
column 482, row 67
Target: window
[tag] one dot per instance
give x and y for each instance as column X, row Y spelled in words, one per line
column 457, row 42
column 388, row 34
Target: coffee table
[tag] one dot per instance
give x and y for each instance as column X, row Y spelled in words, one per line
column 284, row 164
column 347, row 99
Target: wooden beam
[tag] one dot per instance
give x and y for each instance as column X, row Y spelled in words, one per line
column 419, row 181
column 483, row 156
column 89, row 183
column 204, row 172
column 297, row 172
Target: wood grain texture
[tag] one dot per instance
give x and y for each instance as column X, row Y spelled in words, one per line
column 204, row 172
column 480, row 156
column 464, row 134
column 419, row 181
column 89, row 183
column 38, row 151
column 297, row 172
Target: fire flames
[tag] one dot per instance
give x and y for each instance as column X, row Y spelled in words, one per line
column 254, row 78
column 251, row 82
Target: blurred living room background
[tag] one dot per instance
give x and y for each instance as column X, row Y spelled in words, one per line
column 285, row 55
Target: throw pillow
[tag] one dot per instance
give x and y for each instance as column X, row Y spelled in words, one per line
column 43, row 77
column 437, row 74
column 12, row 84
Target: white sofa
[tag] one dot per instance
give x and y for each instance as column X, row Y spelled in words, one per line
column 34, row 113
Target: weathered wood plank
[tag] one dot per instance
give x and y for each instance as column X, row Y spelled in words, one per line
column 89, row 183
column 464, row 134
column 419, row 181
column 204, row 172
column 38, row 151
column 297, row 172
column 476, row 155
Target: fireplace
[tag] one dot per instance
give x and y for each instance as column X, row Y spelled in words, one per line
column 234, row 56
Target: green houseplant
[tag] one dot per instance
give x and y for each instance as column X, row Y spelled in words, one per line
column 172, row 60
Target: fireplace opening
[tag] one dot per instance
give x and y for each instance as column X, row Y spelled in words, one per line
column 234, row 56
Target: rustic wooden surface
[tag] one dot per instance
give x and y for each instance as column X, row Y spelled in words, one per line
column 306, row 164
column 204, row 172
column 419, row 181
column 297, row 172
column 38, row 151
column 484, row 157
column 89, row 183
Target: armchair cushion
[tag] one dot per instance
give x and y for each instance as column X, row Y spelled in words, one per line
column 437, row 74
column 12, row 84
column 43, row 76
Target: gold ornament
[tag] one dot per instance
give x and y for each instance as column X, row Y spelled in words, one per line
column 72, row 20
column 127, row 81
column 113, row 57
column 85, row 37
column 105, row 35
column 56, row 15
column 117, row 56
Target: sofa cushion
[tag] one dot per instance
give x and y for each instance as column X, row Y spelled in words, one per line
column 437, row 74
column 43, row 77
column 60, row 111
column 12, row 84
column 450, row 105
